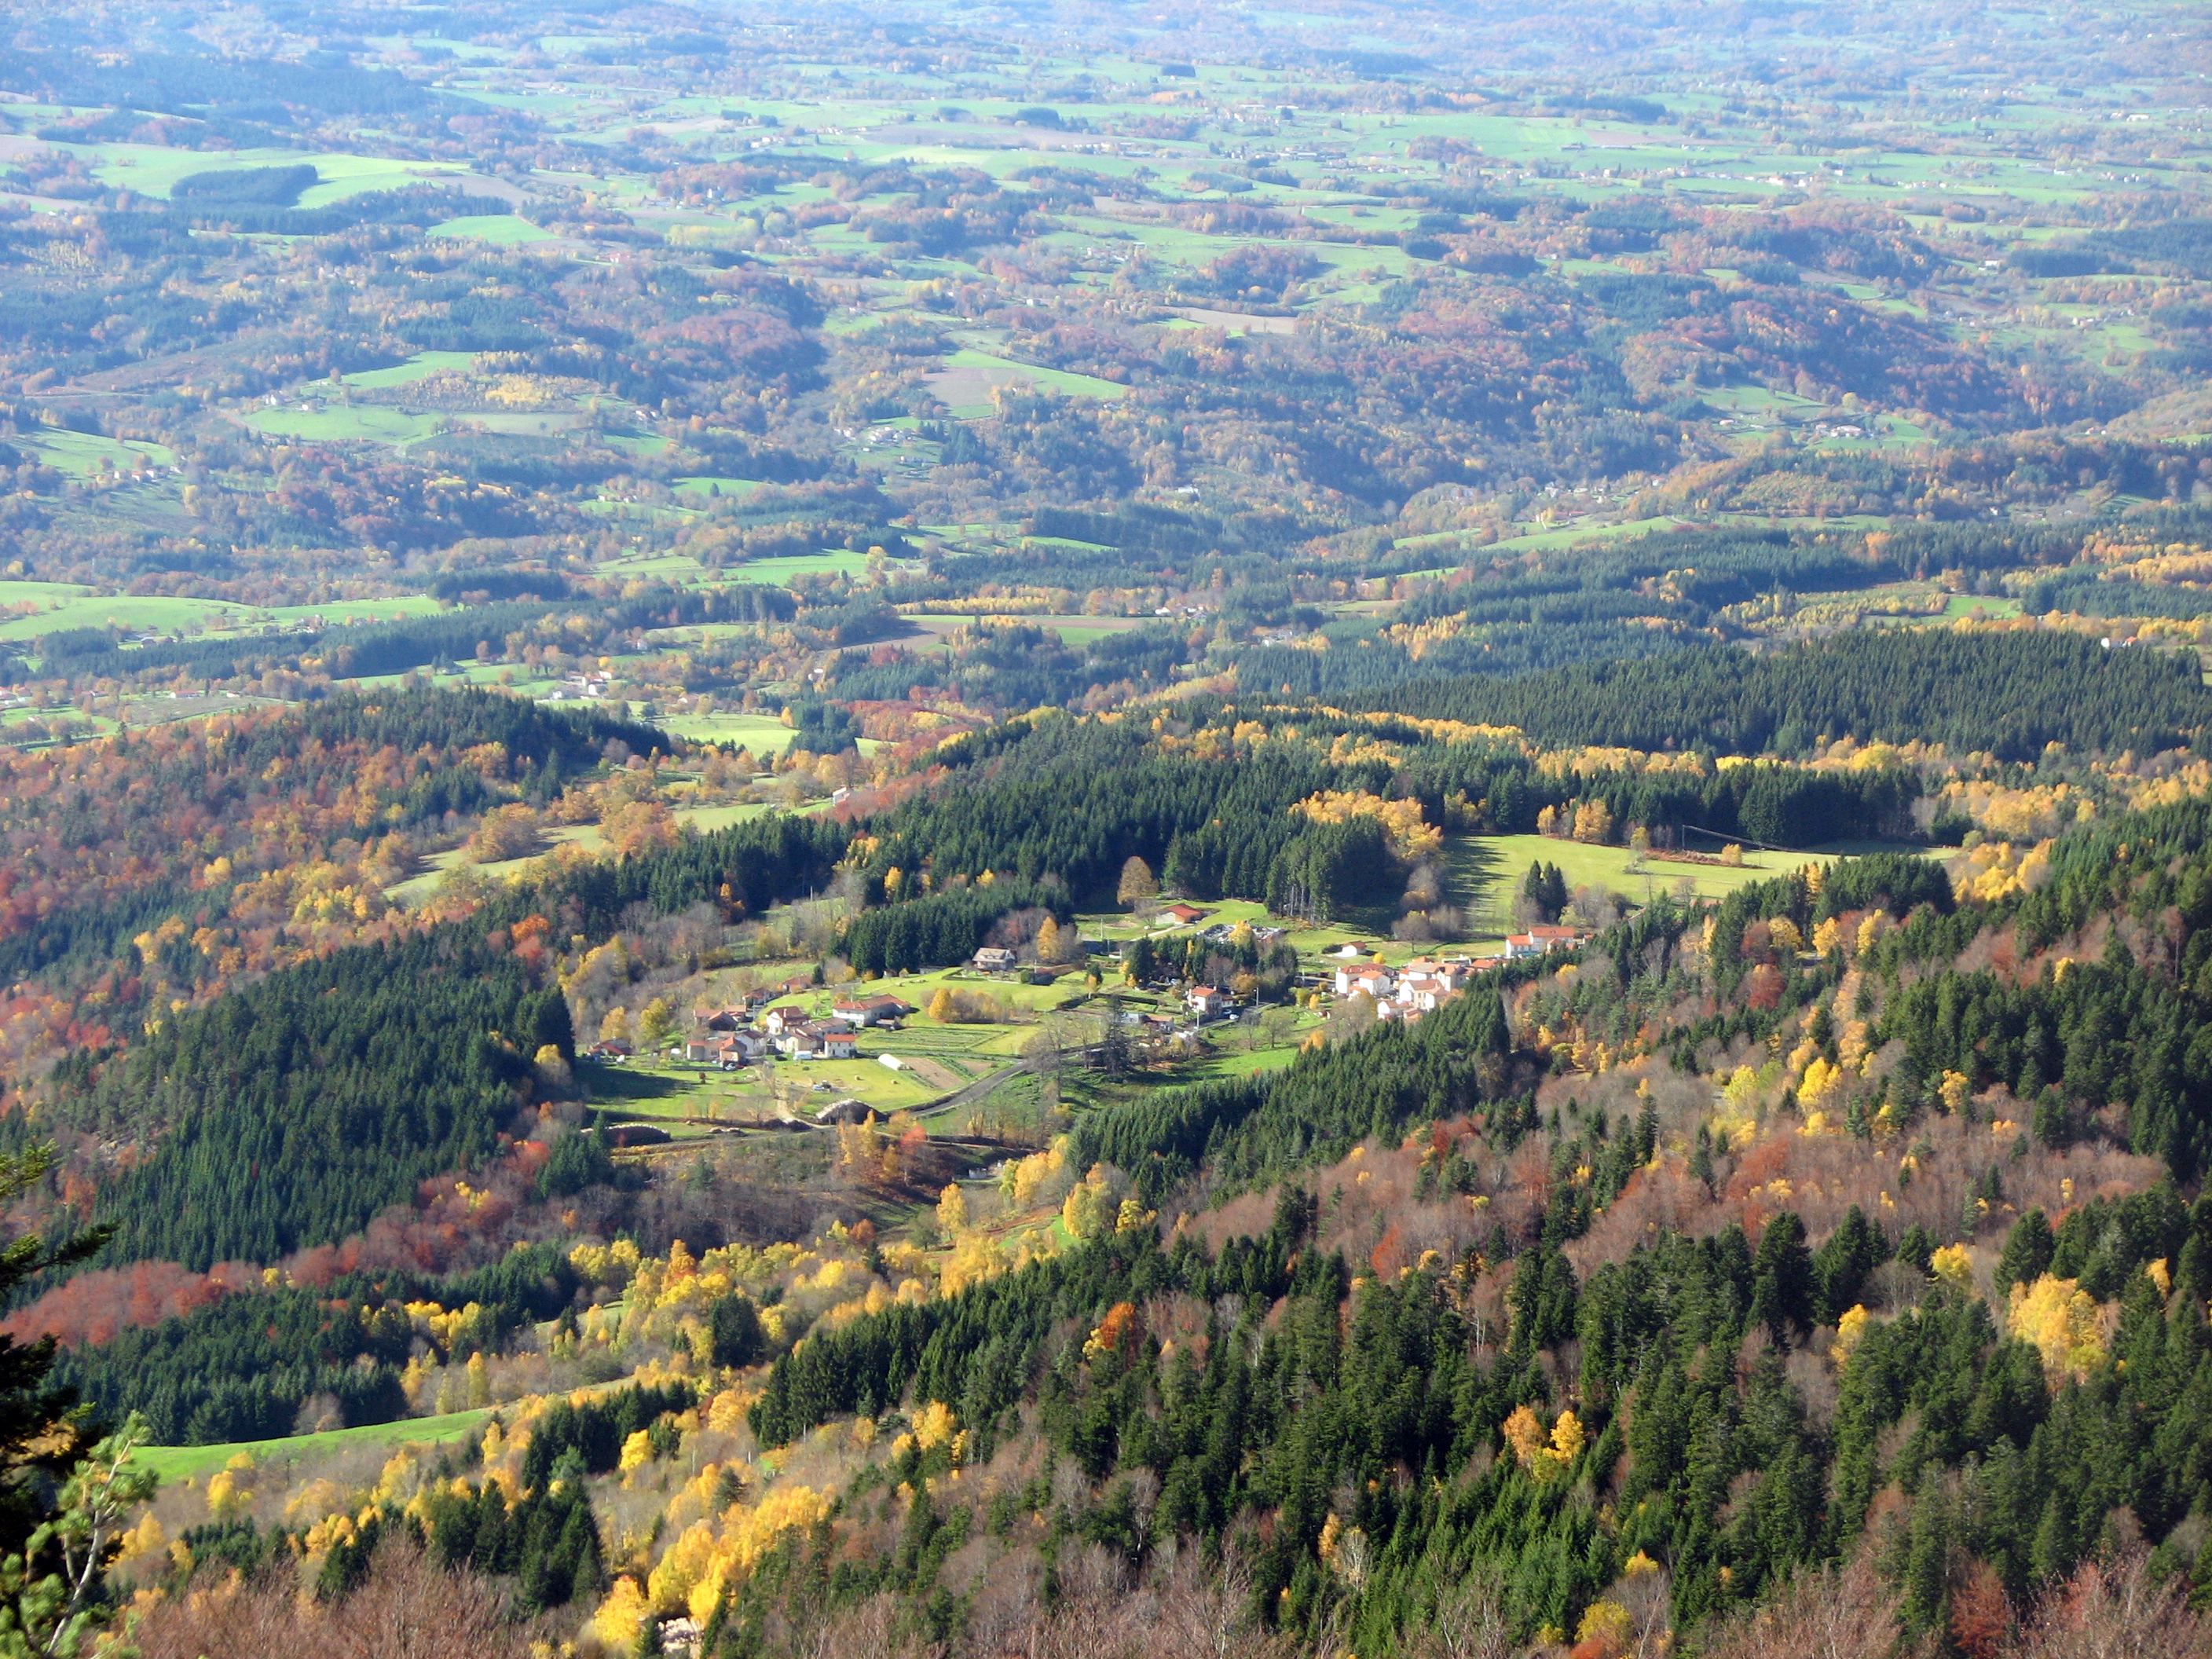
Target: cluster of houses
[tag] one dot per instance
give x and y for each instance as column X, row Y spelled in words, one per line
column 1222, row 932
column 731, row 1038
column 576, row 687
column 1426, row 983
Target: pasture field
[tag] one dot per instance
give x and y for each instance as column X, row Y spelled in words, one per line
column 65, row 605
column 83, row 453
column 761, row 733
column 970, row 378
column 181, row 1463
column 1488, row 870
column 119, row 610
column 500, row 229
column 712, row 486
column 420, row 366
column 337, row 423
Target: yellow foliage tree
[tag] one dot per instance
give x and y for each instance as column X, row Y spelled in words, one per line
column 226, row 1492
column 1567, row 1438
column 622, row 1616
column 1541, row 1455
column 1524, row 1433
column 952, row 1210
column 1032, row 1180
column 1410, row 836
column 934, row 1425
column 1605, row 1629
column 1085, row 1211
column 1850, row 1330
column 1051, row 945
column 1820, row 1080
column 2059, row 1318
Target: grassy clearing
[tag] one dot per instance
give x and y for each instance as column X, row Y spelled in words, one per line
column 533, row 423
column 119, row 612
column 655, row 566
column 370, row 423
column 970, row 378
column 154, row 170
column 1967, row 604
column 714, row 487
column 778, row 572
column 67, row 605
column 356, row 610
column 174, row 1463
column 420, row 366
column 356, row 175
column 707, row 819
column 1486, row 870
column 439, row 866
column 14, row 592
column 1535, row 540
column 82, row 454
column 761, row 733
column 500, row 229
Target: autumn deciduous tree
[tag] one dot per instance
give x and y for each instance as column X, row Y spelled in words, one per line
column 1138, row 883
column 507, row 832
column 655, row 1023
column 1051, row 945
column 406, row 1608
column 1594, row 823
column 1842, row 1612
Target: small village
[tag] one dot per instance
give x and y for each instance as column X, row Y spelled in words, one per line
column 802, row 1051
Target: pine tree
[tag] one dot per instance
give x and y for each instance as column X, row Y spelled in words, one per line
column 1782, row 1280
column 2028, row 1249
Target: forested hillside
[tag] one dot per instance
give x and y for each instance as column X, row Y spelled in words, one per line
column 2012, row 696
column 1369, row 832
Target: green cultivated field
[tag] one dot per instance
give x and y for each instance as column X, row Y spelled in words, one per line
column 66, row 605
column 1494, row 866
column 120, row 611
column 420, row 366
column 709, row 487
column 175, row 1463
column 81, row 452
column 761, row 733
column 500, row 229
column 370, row 422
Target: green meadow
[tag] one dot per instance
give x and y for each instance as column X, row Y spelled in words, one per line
column 420, row 366
column 83, row 452
column 179, row 1463
column 500, row 229
column 336, row 424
